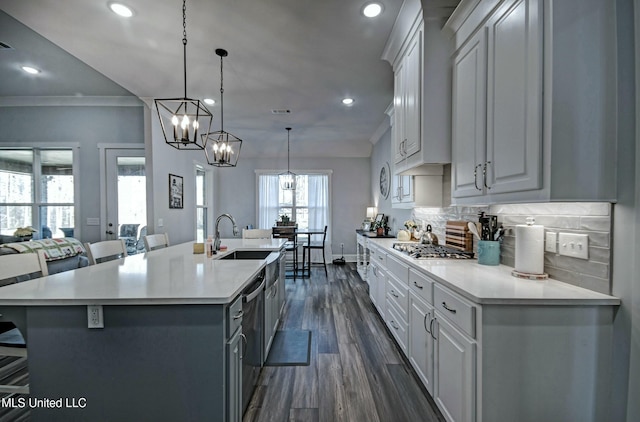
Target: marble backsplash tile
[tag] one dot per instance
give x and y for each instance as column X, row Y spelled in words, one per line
column 592, row 219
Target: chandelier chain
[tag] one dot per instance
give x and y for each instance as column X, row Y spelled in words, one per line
column 221, row 97
column 184, row 43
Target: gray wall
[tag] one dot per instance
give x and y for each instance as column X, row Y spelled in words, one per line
column 350, row 193
column 86, row 125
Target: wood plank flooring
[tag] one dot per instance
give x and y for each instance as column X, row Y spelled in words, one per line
column 356, row 373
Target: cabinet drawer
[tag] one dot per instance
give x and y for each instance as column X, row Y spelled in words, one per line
column 377, row 255
column 399, row 295
column 421, row 285
column 398, row 326
column 234, row 316
column 399, row 269
column 455, row 308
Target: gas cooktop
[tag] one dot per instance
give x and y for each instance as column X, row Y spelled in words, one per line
column 420, row 251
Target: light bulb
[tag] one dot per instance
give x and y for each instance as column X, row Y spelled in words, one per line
column 174, row 120
column 185, row 121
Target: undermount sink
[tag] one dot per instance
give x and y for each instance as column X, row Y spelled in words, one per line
column 247, row 255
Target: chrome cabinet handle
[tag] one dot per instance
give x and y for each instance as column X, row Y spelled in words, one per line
column 417, row 285
column 243, row 350
column 475, row 176
column 238, row 315
column 428, row 314
column 433, row 336
column 394, row 294
column 444, row 305
column 393, row 324
column 484, row 174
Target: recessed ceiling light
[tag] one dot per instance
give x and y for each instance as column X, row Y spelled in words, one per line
column 121, row 10
column 31, row 70
column 348, row 101
column 209, row 101
column 371, row 10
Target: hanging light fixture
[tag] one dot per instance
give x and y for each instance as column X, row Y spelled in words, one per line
column 288, row 179
column 221, row 148
column 181, row 118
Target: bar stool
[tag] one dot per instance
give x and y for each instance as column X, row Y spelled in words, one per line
column 308, row 247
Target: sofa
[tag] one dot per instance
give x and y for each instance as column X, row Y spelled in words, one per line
column 61, row 254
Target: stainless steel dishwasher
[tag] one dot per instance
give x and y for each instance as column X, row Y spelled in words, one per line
column 253, row 329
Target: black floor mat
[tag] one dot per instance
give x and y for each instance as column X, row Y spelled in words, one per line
column 290, row 348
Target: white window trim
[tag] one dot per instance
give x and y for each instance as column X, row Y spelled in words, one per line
column 75, row 149
column 208, row 199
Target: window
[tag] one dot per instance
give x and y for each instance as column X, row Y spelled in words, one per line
column 201, row 204
column 308, row 205
column 37, row 189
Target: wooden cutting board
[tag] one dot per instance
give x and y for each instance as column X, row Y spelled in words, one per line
column 458, row 236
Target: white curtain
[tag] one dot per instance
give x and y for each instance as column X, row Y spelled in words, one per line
column 268, row 206
column 319, row 211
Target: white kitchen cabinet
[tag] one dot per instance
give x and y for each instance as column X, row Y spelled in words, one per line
column 421, row 338
column 420, row 117
column 454, row 372
column 497, row 104
column 417, row 191
column 532, row 103
column 362, row 256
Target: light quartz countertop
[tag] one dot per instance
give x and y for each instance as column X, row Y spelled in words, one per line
column 494, row 285
column 173, row 275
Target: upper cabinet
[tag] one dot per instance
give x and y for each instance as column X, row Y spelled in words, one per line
column 533, row 106
column 419, row 52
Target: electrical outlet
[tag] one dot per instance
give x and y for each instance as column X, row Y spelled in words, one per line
column 550, row 242
column 95, row 316
column 574, row 245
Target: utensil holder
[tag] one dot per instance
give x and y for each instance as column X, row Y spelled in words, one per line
column 488, row 252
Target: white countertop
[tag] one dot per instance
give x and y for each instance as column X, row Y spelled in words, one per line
column 173, row 275
column 495, row 285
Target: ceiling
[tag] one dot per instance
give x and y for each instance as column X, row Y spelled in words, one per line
column 304, row 56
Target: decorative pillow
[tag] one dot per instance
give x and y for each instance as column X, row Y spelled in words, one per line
column 54, row 249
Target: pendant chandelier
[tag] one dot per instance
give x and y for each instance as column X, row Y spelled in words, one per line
column 288, row 179
column 221, row 148
column 181, row 118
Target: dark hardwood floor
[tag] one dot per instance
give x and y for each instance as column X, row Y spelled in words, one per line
column 356, row 373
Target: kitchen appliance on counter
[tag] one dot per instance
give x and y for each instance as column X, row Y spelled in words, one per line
column 421, row 251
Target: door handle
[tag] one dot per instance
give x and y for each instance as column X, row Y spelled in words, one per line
column 475, row 177
column 484, row 174
column 109, row 232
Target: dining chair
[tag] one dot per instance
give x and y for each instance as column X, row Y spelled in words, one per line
column 256, row 233
column 105, row 251
column 12, row 342
column 156, row 241
column 315, row 245
column 290, row 248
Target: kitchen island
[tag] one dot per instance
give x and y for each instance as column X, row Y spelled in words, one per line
column 491, row 347
column 164, row 351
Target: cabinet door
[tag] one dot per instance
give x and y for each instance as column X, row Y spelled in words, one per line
column 381, row 291
column 469, row 117
column 421, row 340
column 398, row 114
column 514, row 97
column 402, row 192
column 412, row 94
column 372, row 278
column 454, row 372
column 234, row 378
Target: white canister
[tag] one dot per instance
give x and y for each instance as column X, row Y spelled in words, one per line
column 529, row 248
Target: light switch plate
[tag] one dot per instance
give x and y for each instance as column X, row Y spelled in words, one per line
column 160, row 222
column 550, row 242
column 93, row 221
column 573, row 245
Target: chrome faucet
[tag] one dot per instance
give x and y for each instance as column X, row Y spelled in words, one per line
column 216, row 242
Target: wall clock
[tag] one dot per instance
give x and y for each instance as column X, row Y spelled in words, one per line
column 385, row 180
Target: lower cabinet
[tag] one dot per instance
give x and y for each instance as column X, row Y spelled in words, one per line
column 234, row 377
column 454, row 372
column 421, row 339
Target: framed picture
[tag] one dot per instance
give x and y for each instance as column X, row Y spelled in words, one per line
column 379, row 218
column 175, row 191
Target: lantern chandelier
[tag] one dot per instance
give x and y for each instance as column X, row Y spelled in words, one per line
column 288, row 179
column 183, row 116
column 221, row 148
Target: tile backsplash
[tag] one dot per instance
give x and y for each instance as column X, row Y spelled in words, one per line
column 592, row 219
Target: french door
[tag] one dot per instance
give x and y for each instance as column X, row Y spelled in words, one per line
column 125, row 197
